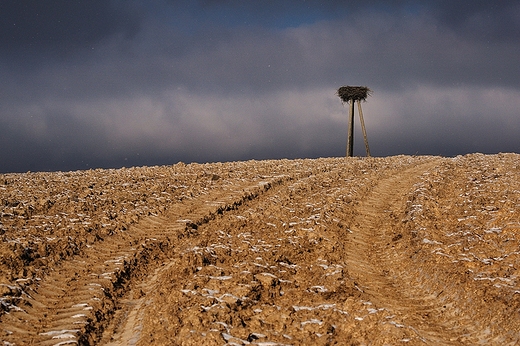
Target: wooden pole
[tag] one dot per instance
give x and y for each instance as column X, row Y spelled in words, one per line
column 363, row 128
column 350, row 138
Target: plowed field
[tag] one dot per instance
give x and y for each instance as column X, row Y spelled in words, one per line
column 357, row 251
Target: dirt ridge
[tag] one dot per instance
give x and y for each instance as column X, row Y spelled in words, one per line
column 74, row 303
column 294, row 277
column 373, row 232
column 356, row 251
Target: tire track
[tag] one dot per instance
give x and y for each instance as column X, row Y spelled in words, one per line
column 77, row 300
column 272, row 272
column 133, row 325
column 371, row 260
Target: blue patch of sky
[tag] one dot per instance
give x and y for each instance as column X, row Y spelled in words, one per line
column 190, row 16
column 275, row 17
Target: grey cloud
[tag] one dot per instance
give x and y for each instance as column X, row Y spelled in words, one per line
column 379, row 50
column 444, row 121
column 480, row 20
column 153, row 91
column 38, row 31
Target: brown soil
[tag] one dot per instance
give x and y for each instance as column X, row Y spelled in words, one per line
column 372, row 251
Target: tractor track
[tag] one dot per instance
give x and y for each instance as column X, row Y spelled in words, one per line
column 378, row 251
column 75, row 302
column 372, row 258
column 217, row 311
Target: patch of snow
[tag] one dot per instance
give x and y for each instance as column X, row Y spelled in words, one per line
column 320, row 289
column 496, row 230
column 312, row 321
column 433, row 242
column 221, row 278
column 60, row 332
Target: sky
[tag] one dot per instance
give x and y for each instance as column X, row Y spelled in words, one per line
column 122, row 83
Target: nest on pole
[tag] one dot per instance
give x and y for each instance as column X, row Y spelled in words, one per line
column 354, row 93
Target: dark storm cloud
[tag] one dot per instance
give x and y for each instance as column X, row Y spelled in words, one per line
column 396, row 43
column 113, row 83
column 59, row 27
column 480, row 19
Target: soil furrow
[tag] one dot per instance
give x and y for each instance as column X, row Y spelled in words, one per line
column 356, row 251
column 273, row 271
column 370, row 258
column 80, row 299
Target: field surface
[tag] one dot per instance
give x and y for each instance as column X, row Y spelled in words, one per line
column 359, row 251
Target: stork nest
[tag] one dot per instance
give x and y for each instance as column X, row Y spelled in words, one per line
column 354, row 93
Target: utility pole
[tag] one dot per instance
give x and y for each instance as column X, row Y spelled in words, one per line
column 350, row 137
column 351, row 94
column 363, row 128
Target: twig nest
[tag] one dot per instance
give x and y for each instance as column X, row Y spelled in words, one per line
column 355, row 93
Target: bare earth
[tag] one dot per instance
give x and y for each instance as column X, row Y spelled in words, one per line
column 359, row 251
